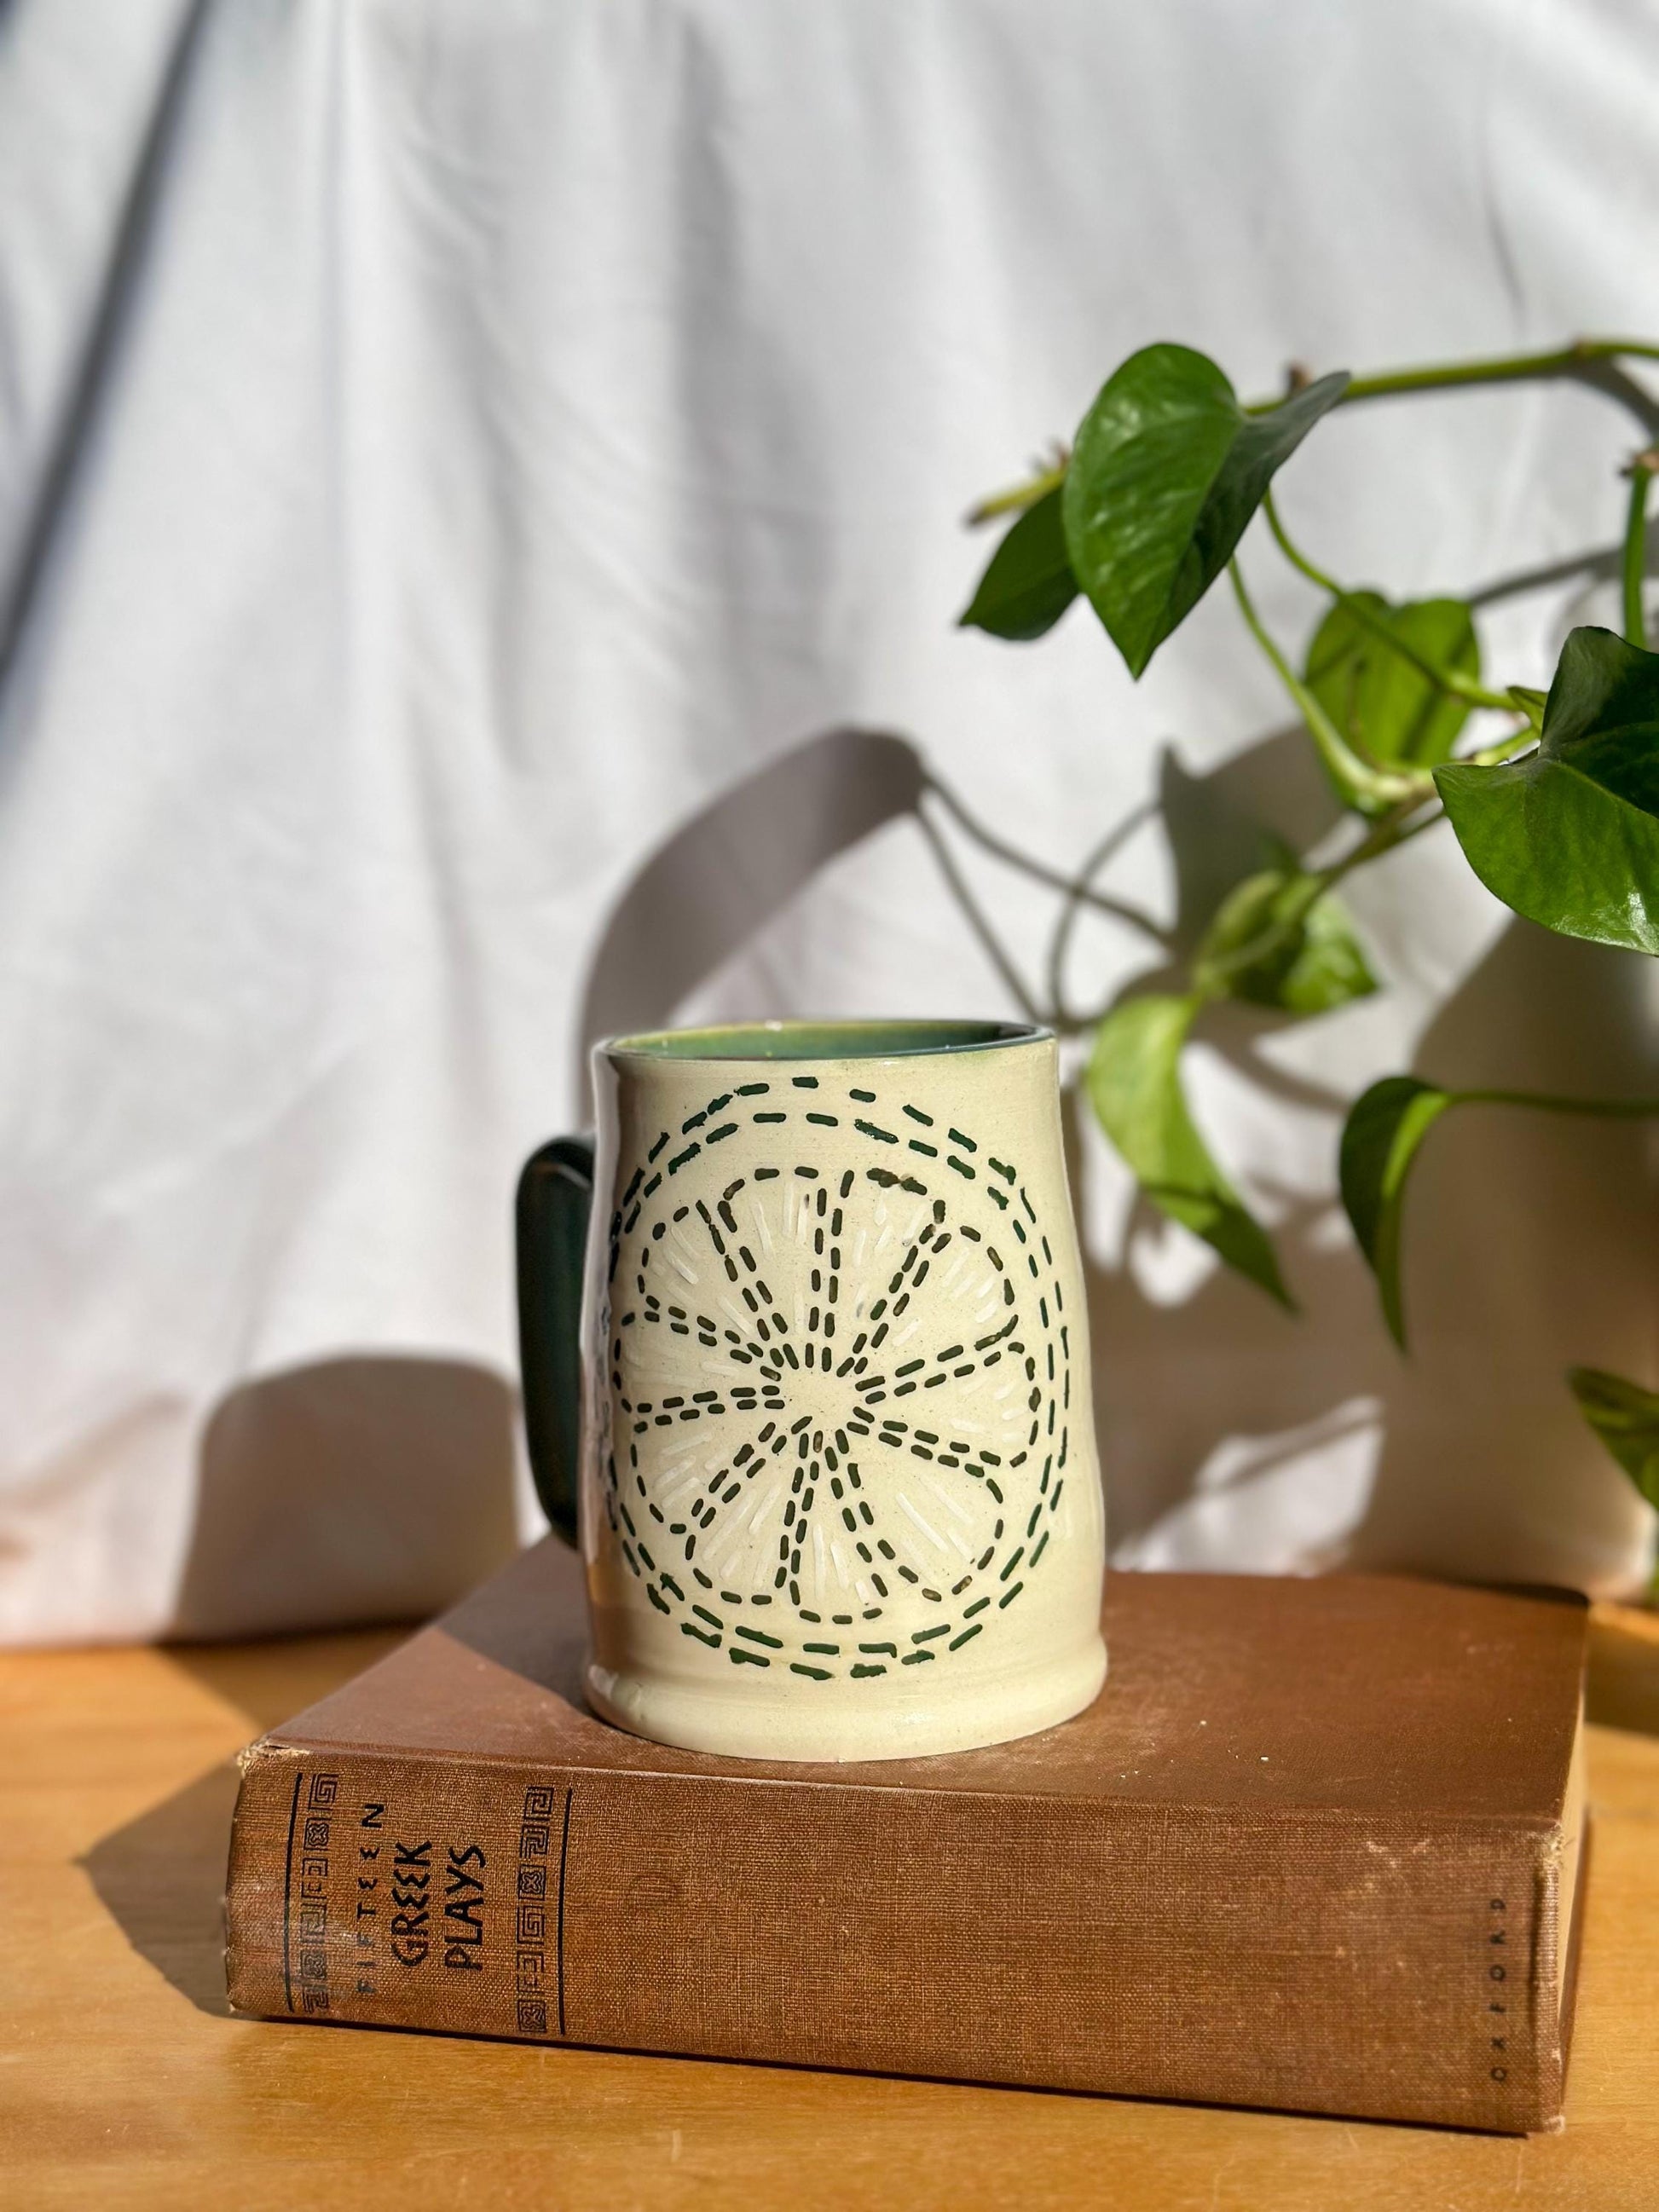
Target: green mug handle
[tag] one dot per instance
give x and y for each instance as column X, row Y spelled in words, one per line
column 555, row 1197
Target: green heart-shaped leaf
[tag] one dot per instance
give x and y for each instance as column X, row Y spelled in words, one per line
column 1570, row 835
column 1029, row 584
column 1135, row 1086
column 1166, row 471
column 1627, row 1419
column 1383, row 705
column 1385, row 1129
column 1307, row 968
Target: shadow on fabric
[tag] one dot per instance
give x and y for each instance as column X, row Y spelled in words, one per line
column 1484, row 1468
column 369, row 1488
column 1524, row 1254
column 722, row 876
column 358, row 1488
column 52, row 501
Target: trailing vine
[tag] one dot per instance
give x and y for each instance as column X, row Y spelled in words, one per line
column 1552, row 797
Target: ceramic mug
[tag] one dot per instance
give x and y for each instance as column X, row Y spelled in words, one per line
column 810, row 1384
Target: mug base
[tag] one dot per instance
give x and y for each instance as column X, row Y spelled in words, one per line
column 739, row 1725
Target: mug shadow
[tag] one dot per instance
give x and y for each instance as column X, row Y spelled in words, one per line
column 713, row 886
column 533, row 1623
column 162, row 1880
column 160, row 1876
column 363, row 1488
column 355, row 1489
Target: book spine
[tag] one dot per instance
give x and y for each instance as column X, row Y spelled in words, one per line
column 1301, row 1959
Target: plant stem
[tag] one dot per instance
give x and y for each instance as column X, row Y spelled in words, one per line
column 1635, row 532
column 1397, row 829
column 1566, row 361
column 1384, row 836
column 1417, row 824
column 1593, row 362
column 1492, row 368
column 1018, row 497
column 1443, row 679
column 1368, row 787
column 1392, row 830
column 1518, row 741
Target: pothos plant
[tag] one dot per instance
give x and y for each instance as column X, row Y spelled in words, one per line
column 1552, row 797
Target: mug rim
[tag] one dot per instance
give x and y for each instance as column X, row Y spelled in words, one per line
column 875, row 1037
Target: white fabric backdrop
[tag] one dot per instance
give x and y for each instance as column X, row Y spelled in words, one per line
column 444, row 443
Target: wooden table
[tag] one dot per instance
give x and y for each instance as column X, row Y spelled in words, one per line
column 123, row 2082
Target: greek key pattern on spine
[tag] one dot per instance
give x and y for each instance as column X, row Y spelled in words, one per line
column 539, row 1909
column 305, row 1933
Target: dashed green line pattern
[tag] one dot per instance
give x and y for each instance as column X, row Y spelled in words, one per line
column 755, row 1309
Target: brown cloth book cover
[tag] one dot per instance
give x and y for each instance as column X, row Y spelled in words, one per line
column 1315, row 1846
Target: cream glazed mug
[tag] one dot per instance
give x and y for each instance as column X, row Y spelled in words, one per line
column 809, row 1385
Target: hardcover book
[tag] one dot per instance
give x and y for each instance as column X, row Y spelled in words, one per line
column 1315, row 1846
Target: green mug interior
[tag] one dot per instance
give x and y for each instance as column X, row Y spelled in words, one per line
column 806, row 1040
